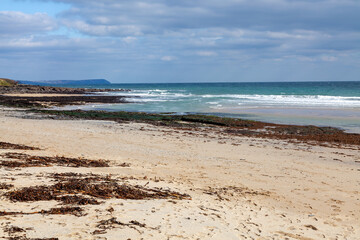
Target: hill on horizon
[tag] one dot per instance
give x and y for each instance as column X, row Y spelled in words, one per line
column 67, row 82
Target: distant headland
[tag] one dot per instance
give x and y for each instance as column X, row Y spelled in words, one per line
column 67, row 82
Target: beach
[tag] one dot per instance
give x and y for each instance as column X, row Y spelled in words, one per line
column 179, row 120
column 213, row 185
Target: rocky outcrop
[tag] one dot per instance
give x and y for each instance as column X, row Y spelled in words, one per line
column 21, row 88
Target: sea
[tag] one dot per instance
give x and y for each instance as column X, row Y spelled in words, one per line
column 335, row 104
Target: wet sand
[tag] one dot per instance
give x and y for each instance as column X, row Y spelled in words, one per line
column 240, row 187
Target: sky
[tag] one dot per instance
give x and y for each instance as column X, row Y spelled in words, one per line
column 130, row 41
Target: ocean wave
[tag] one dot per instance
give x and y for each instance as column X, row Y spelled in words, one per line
column 290, row 99
column 152, row 93
column 138, row 100
column 160, row 95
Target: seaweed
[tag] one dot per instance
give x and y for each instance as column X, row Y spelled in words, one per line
column 6, row 145
column 26, row 238
column 78, row 200
column 41, row 102
column 111, row 223
column 96, row 187
column 6, row 186
column 77, row 211
column 157, row 119
column 231, row 191
column 14, row 229
column 40, row 161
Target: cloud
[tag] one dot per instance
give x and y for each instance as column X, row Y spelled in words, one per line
column 20, row 24
column 158, row 16
column 119, row 35
column 168, row 58
column 329, row 58
column 206, row 53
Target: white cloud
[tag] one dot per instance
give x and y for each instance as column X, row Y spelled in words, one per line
column 206, row 53
column 329, row 58
column 129, row 39
column 103, row 30
column 20, row 24
column 168, row 58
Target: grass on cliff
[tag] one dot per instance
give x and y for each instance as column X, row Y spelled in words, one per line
column 7, row 82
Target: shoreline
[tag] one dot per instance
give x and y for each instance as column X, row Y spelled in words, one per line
column 345, row 119
column 327, row 136
column 93, row 175
column 32, row 96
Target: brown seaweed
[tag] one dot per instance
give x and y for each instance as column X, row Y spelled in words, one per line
column 111, row 223
column 77, row 211
column 6, row 186
column 40, row 161
column 6, row 145
column 72, row 190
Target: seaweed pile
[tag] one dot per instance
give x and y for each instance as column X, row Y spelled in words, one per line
column 25, row 160
column 6, row 145
column 77, row 211
column 111, row 223
column 17, row 233
column 6, row 186
column 75, row 189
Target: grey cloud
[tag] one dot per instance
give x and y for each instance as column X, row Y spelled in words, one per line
column 160, row 15
column 122, row 36
column 20, row 24
column 284, row 25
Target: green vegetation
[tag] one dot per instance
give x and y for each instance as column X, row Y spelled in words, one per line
column 7, row 82
column 160, row 119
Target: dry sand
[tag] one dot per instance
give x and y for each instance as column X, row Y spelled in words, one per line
column 241, row 188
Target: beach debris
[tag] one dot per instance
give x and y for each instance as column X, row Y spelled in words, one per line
column 78, row 200
column 41, row 161
column 6, row 145
column 6, row 186
column 311, row 227
column 13, row 229
column 111, row 223
column 232, row 191
column 17, row 233
column 77, row 211
column 71, row 190
column 26, row 238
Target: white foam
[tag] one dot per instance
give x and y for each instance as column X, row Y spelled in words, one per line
column 304, row 100
column 159, row 95
column 135, row 100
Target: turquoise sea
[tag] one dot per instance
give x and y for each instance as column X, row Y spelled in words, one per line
column 316, row 103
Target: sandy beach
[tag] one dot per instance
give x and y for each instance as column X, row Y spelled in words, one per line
column 239, row 187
